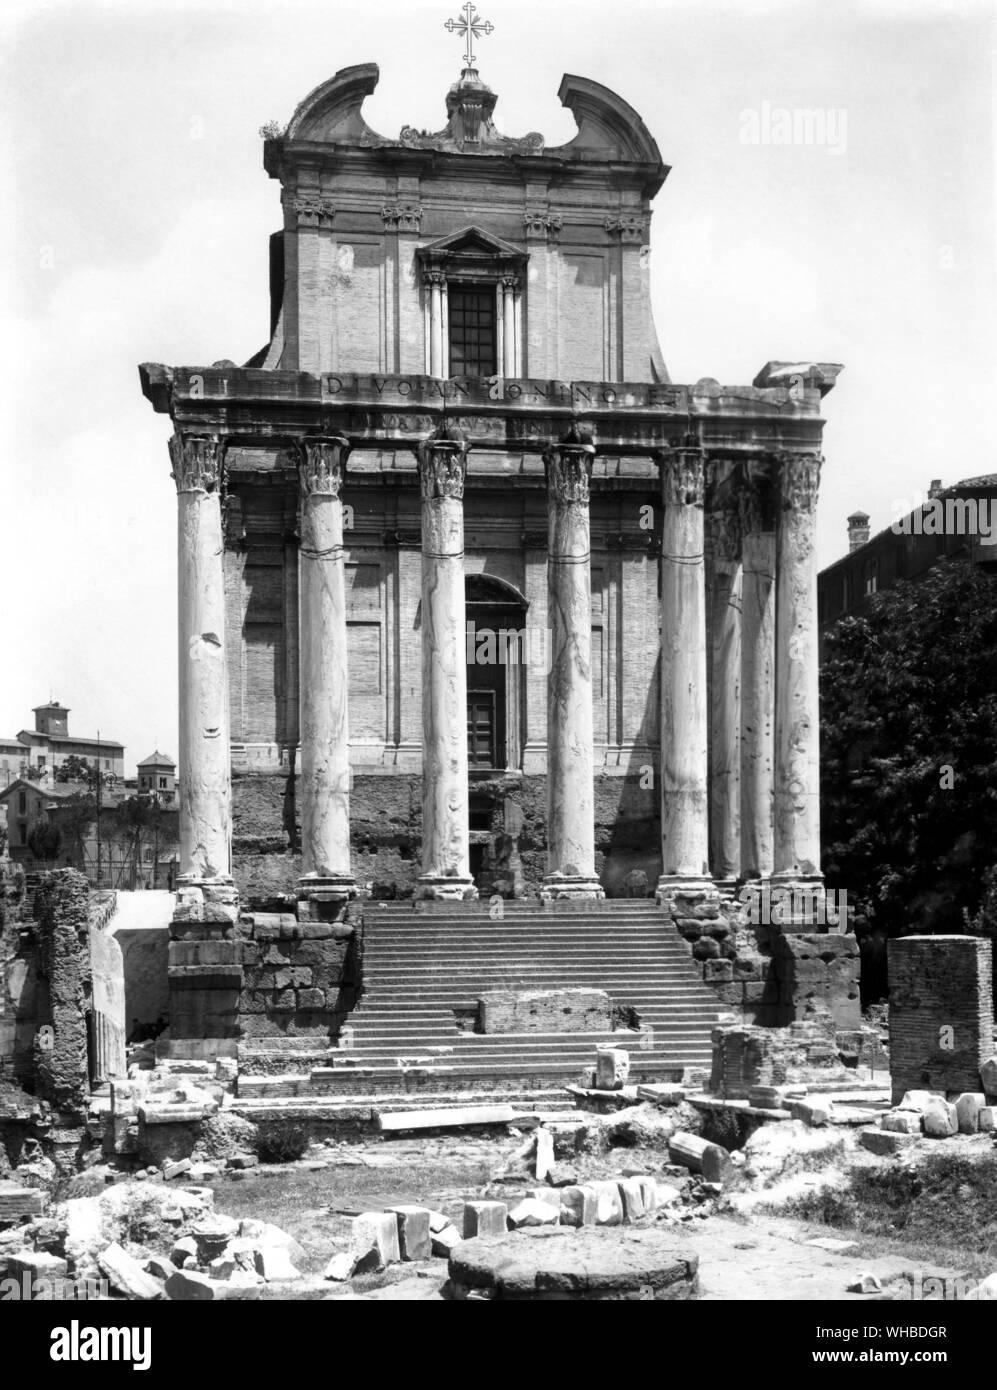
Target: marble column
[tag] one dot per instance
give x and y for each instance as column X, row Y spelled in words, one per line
column 446, row 869
column 797, row 717
column 205, row 780
column 757, row 509
column 723, row 582
column 509, row 283
column 435, row 280
column 684, row 720
column 570, row 787
column 324, row 785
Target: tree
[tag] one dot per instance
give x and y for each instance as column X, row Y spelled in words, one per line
column 44, row 840
column 134, row 818
column 77, row 813
column 77, row 769
column 909, row 752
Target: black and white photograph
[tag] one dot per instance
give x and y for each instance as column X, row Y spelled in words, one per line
column 498, row 716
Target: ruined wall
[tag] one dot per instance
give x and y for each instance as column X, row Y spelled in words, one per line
column 299, row 979
column 941, row 1012
column 18, row 978
column 62, row 909
column 508, row 833
column 744, row 1057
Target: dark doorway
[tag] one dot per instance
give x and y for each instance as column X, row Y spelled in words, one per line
column 482, row 730
column 496, row 675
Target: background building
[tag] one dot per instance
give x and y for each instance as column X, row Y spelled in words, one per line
column 49, row 744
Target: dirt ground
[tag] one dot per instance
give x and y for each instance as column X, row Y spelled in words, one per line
column 759, row 1256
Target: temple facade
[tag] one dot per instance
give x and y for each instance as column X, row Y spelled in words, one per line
column 473, row 598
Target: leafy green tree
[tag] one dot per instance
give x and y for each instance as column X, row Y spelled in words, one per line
column 77, row 769
column 909, row 753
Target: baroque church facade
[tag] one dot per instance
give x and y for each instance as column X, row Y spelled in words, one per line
column 473, row 597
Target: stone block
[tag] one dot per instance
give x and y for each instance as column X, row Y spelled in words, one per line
column 38, row 1265
column 484, row 1219
column 190, row 1286
column 612, row 1068
column 609, row 1204
column 967, row 1109
column 632, row 1197
column 413, row 1232
column 718, row 971
column 445, row 1240
column 532, row 1212
column 374, row 1240
column 578, row 1206
column 987, row 1118
column 17, row 1201
column 940, row 1119
column 882, row 1142
column 545, row 1011
column 273, row 1263
column 544, row 1158
column 941, row 1012
column 448, row 1117
column 815, row 1113
column 125, row 1273
column 902, row 1122
column 988, row 1077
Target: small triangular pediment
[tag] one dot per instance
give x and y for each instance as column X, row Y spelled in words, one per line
column 472, row 241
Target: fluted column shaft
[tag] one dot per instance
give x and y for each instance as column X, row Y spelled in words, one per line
column 797, row 737
column 724, row 590
column 570, row 788
column 445, row 809
column 684, row 720
column 325, row 748
column 436, row 325
column 758, row 597
column 205, row 780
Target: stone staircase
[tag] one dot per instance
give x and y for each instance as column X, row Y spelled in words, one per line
column 425, row 967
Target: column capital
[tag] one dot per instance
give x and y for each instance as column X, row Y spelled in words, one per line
column 433, row 277
column 198, row 462
column 323, row 465
column 683, row 477
column 442, row 464
column 631, row 229
column 756, row 497
column 510, row 281
column 568, row 466
column 799, row 478
column 540, row 224
column 311, row 211
column 402, row 217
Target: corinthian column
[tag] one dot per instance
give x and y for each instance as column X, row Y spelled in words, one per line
column 684, row 765
column 446, row 871
column 757, row 508
column 435, row 279
column 205, row 782
column 797, row 727
column 723, row 582
column 570, row 790
column 325, row 750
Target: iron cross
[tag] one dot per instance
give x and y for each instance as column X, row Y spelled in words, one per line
column 471, row 26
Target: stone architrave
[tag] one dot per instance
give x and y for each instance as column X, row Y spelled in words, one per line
column 684, row 717
column 796, row 848
column 724, row 591
column 570, row 785
column 325, row 752
column 205, row 785
column 758, row 557
column 446, row 869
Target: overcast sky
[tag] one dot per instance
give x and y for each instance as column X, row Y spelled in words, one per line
column 138, row 212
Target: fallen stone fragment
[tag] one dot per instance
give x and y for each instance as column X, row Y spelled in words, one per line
column 174, row 1169
column 273, row 1263
column 341, row 1266
column 39, row 1264
column 160, row 1267
column 815, row 1113
column 448, row 1118
column 242, row 1160
column 940, row 1119
column 609, row 1204
column 374, row 1240
column 967, row 1111
column 578, row 1206
column 902, row 1122
column 17, row 1201
column 612, row 1068
column 918, row 1100
column 445, row 1240
column 413, row 1232
column 189, row 1286
column 884, row 1143
column 484, row 1219
column 185, row 1249
column 988, row 1077
column 711, row 1160
column 867, row 1283
column 544, row 1159
column 988, row 1119
column 833, row 1244
column 124, row 1273
column 632, row 1198
column 531, row 1212
column 437, row 1221
column 562, row 1175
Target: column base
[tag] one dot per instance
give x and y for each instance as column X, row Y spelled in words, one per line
column 697, row 888
column 321, row 895
column 557, row 887
column 727, row 888
column 445, row 888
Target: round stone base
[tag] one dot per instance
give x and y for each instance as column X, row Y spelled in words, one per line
column 563, row 1263
column 558, row 886
column 441, row 888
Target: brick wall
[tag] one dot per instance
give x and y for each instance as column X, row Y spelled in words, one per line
column 941, row 1012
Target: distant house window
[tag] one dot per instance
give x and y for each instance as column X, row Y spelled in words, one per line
column 872, row 576
column 107, row 763
column 846, row 591
column 24, row 833
column 148, row 855
column 22, row 804
column 141, row 781
column 162, row 782
column 41, row 760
